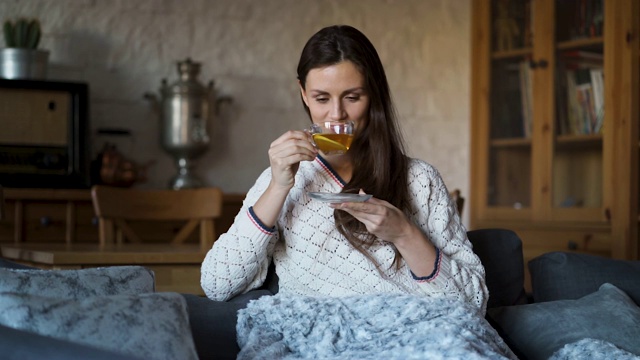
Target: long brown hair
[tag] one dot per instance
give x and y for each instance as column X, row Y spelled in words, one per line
column 380, row 165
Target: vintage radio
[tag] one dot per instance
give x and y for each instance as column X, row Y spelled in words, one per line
column 44, row 134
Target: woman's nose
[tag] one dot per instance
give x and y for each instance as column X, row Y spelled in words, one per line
column 337, row 111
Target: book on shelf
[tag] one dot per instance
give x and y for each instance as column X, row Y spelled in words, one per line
column 588, row 18
column 597, row 81
column 526, row 94
column 528, row 20
column 511, row 23
column 580, row 93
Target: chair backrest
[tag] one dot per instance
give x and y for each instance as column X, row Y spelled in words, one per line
column 116, row 206
column 459, row 200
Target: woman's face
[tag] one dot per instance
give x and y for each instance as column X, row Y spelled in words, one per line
column 336, row 93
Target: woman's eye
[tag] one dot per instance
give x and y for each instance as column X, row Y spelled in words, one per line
column 322, row 100
column 353, row 98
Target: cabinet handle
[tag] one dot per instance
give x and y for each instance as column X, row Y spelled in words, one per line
column 542, row 63
column 607, row 214
column 95, row 221
column 45, row 221
column 572, row 245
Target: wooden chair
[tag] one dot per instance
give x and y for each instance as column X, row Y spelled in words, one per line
column 455, row 195
column 116, row 206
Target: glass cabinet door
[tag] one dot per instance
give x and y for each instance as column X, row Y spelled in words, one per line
column 577, row 155
column 509, row 157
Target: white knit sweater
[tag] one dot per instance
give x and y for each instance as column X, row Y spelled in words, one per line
column 313, row 258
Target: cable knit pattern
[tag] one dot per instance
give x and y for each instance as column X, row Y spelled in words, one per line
column 312, row 258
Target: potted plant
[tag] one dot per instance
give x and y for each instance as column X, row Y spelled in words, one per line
column 21, row 58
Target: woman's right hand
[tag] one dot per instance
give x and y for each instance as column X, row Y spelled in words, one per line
column 285, row 154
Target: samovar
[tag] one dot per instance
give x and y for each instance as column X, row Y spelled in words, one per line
column 185, row 107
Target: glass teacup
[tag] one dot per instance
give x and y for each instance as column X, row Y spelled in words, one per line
column 332, row 137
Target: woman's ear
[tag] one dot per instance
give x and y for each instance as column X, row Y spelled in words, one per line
column 303, row 94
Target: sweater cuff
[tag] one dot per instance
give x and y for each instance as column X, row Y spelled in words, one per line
column 259, row 224
column 439, row 264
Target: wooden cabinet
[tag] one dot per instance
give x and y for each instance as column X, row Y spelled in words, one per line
column 555, row 142
column 48, row 216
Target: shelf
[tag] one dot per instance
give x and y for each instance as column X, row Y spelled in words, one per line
column 577, row 142
column 511, row 142
column 581, row 43
column 510, row 54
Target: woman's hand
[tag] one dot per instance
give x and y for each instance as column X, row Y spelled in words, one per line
column 388, row 223
column 285, row 154
column 382, row 219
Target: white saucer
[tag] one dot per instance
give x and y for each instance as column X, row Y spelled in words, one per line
column 339, row 197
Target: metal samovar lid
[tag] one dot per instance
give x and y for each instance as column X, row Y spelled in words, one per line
column 187, row 82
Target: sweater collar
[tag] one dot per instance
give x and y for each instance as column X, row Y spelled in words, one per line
column 332, row 173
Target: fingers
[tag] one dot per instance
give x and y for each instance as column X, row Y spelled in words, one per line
column 286, row 153
column 372, row 212
column 380, row 217
column 371, row 206
column 299, row 138
column 291, row 147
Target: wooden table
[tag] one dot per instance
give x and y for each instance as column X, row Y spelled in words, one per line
column 177, row 267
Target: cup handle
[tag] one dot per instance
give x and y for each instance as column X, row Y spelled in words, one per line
column 310, row 135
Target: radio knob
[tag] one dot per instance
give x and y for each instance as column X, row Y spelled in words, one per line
column 50, row 160
column 45, row 221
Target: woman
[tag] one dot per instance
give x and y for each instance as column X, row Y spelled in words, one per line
column 408, row 238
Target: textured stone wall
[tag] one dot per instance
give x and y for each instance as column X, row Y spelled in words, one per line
column 123, row 48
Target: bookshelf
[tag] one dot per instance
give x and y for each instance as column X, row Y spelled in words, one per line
column 555, row 140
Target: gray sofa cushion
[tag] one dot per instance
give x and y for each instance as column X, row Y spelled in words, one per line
column 23, row 345
column 213, row 323
column 500, row 251
column 536, row 331
column 149, row 326
column 78, row 284
column 564, row 275
column 4, row 263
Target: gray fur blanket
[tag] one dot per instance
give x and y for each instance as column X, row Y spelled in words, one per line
column 592, row 349
column 383, row 326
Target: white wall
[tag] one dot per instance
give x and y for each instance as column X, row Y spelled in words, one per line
column 123, row 48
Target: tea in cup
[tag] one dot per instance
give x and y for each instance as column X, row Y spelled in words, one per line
column 332, row 137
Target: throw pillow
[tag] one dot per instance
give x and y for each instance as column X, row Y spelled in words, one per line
column 536, row 331
column 564, row 275
column 149, row 326
column 78, row 284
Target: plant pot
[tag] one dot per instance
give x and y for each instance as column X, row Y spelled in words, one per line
column 17, row 63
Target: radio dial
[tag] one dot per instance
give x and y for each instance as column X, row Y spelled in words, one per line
column 50, row 160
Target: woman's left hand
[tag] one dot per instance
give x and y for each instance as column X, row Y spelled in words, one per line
column 388, row 223
column 382, row 219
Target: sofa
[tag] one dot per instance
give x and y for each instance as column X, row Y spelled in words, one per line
column 575, row 296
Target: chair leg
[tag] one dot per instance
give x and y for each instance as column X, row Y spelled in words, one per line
column 206, row 234
column 106, row 232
